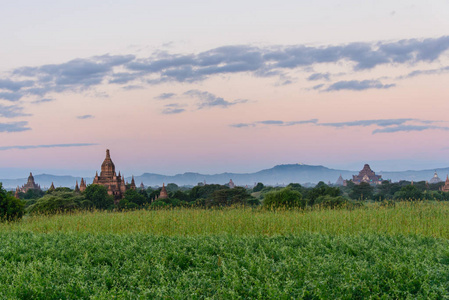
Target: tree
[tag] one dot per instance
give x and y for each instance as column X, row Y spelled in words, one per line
column 132, row 196
column 284, row 198
column 59, row 201
column 11, row 208
column 98, row 195
column 172, row 187
column 408, row 192
column 227, row 197
column 362, row 191
column 321, row 189
column 205, row 191
column 259, row 186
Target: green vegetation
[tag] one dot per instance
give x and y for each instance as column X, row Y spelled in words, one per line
column 215, row 242
column 10, row 207
column 310, row 266
column 422, row 218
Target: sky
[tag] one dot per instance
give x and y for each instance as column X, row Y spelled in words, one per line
column 222, row 86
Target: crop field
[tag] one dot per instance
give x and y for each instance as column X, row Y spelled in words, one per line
column 374, row 251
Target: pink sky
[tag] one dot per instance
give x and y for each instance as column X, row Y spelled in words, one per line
column 223, row 96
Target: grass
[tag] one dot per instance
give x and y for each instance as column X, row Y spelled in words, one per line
column 139, row 266
column 420, row 218
column 235, row 253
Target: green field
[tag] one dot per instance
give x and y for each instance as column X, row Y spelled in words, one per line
column 374, row 251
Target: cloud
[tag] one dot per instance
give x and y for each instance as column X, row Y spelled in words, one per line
column 12, row 111
column 317, row 87
column 274, row 122
column 164, row 96
column 73, row 75
column 14, row 126
column 292, row 123
column 425, row 72
column 319, row 76
column 386, row 125
column 207, row 99
column 364, row 123
column 355, row 85
column 274, row 61
column 11, row 96
column 132, row 87
column 25, row 147
column 271, row 122
column 14, row 86
column 173, row 108
column 241, row 125
column 408, row 128
column 85, row 117
column 39, row 101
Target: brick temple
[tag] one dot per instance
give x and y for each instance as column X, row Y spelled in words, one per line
column 108, row 177
column 367, row 175
column 30, row 185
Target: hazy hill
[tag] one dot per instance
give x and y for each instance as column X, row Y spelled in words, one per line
column 278, row 175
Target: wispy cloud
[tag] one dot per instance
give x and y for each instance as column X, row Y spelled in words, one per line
column 14, row 126
column 25, row 147
column 408, row 128
column 425, row 72
column 364, row 123
column 39, row 101
column 356, row 85
column 207, row 99
column 164, row 96
column 275, row 123
column 85, row 117
column 386, row 125
column 275, row 61
column 133, row 87
column 173, row 108
column 319, row 76
column 12, row 111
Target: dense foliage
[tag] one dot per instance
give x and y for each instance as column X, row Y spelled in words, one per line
column 293, row 195
column 10, row 207
column 311, row 266
column 285, row 198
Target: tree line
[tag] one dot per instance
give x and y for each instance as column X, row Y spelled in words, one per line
column 293, row 195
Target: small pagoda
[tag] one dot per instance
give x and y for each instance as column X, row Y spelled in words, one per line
column 445, row 188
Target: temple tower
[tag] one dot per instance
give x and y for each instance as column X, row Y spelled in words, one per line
column 163, row 194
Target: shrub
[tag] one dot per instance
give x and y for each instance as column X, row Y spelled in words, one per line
column 58, row 201
column 331, row 202
column 11, row 208
column 284, row 198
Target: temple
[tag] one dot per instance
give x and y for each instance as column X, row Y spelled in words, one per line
column 163, row 194
column 435, row 178
column 367, row 175
column 445, row 188
column 30, row 185
column 108, row 178
column 340, row 181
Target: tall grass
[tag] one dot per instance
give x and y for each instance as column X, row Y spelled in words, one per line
column 421, row 218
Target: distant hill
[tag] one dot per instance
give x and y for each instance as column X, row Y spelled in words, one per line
column 278, row 175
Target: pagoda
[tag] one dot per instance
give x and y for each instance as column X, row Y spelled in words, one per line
column 368, row 176
column 30, row 185
column 340, row 181
column 108, row 178
column 445, row 188
column 435, row 178
column 163, row 194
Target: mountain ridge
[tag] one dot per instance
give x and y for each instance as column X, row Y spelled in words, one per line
column 277, row 175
